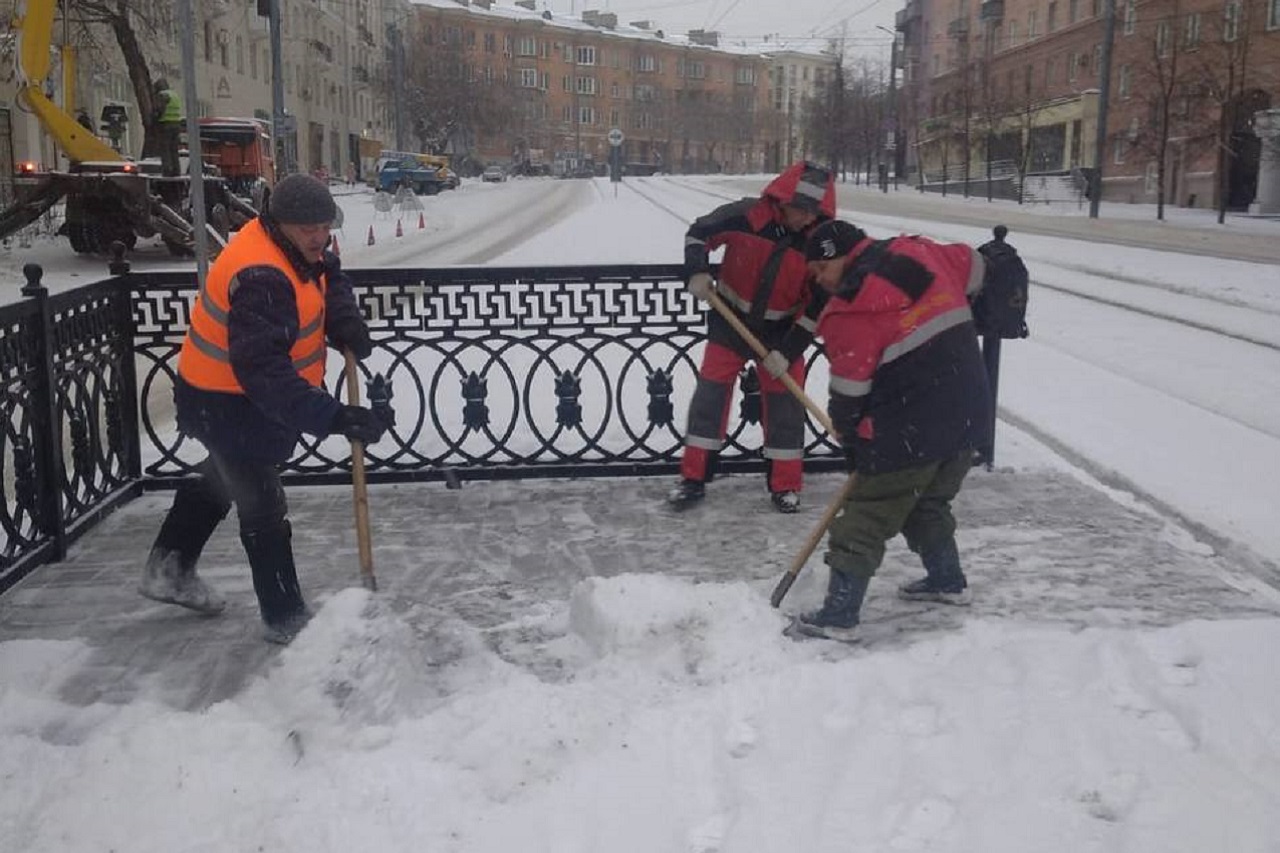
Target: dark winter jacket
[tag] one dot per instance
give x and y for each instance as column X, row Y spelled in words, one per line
column 763, row 275
column 263, row 423
column 907, row 381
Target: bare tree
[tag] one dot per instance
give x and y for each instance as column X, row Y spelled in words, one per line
column 1162, row 77
column 133, row 26
column 451, row 100
column 1227, row 78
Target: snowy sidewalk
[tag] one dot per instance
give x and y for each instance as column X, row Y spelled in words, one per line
column 489, row 564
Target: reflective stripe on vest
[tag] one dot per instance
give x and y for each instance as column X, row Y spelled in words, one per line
column 205, row 360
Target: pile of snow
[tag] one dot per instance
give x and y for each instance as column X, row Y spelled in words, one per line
column 682, row 721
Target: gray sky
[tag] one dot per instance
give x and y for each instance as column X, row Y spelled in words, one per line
column 751, row 20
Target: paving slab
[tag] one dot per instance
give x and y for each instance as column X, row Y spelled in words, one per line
column 1039, row 545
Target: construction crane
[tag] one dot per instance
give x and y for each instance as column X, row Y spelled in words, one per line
column 109, row 197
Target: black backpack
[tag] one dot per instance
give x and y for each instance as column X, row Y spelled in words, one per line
column 1000, row 309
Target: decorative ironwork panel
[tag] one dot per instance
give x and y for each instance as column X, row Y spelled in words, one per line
column 62, row 458
column 510, row 371
column 92, row 352
column 21, row 435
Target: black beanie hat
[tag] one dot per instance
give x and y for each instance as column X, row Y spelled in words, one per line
column 833, row 239
column 302, row 200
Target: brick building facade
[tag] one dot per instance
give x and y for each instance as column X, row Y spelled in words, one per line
column 1015, row 83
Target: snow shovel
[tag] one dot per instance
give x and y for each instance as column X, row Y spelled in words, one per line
column 360, row 490
column 806, row 550
column 760, row 350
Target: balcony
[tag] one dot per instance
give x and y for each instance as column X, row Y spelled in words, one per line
column 991, row 11
column 958, row 28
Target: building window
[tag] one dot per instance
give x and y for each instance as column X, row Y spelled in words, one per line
column 1123, row 86
column 613, row 118
column 586, row 55
column 1051, row 19
column 1149, row 179
column 1162, row 39
column 1013, row 33
column 527, row 46
column 648, row 63
column 586, row 115
column 1191, row 31
column 529, row 78
column 1121, row 149
column 566, row 83
column 490, row 43
column 586, row 85
column 1031, row 25
column 747, row 76
column 1273, row 15
column 1073, row 11
column 1130, row 17
column 1073, row 67
column 1050, row 71
column 614, row 92
column 1231, row 21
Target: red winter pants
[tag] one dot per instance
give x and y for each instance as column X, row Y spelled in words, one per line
column 781, row 413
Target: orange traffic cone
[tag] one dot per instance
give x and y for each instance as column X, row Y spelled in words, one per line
column 422, row 221
column 336, row 250
column 399, row 230
column 370, row 235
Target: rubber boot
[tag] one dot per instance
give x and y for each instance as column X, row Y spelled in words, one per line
column 944, row 581
column 838, row 617
column 170, row 573
column 275, row 580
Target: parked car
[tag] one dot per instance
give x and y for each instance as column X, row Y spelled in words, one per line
column 493, row 175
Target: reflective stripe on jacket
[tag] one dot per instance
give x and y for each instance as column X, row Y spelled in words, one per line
column 205, row 360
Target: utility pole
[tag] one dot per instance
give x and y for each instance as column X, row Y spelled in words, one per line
column 348, row 156
column 1104, row 104
column 195, row 162
column 397, row 91
column 279, row 130
column 890, row 141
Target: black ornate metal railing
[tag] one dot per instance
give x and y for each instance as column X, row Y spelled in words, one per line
column 491, row 372
column 68, row 422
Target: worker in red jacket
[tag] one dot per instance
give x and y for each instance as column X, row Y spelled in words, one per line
column 910, row 401
column 764, row 281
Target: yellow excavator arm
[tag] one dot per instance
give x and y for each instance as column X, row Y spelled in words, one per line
column 35, row 36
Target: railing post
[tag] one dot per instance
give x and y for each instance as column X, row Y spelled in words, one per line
column 46, row 421
column 125, row 320
column 991, row 360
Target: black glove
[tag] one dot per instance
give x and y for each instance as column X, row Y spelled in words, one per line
column 351, row 333
column 358, row 424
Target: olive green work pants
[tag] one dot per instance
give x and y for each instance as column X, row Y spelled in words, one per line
column 915, row 502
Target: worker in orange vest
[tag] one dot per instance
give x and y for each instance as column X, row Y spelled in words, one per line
column 250, row 380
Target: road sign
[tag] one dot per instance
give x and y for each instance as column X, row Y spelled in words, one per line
column 615, row 137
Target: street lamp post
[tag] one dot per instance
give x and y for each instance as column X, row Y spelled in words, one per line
column 890, row 139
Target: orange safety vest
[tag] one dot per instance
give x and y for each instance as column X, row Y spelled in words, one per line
column 205, row 360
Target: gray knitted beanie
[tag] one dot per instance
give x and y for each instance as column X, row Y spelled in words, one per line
column 302, row 200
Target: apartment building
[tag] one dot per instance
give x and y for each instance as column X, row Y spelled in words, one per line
column 683, row 102
column 332, row 51
column 1015, row 83
column 797, row 74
